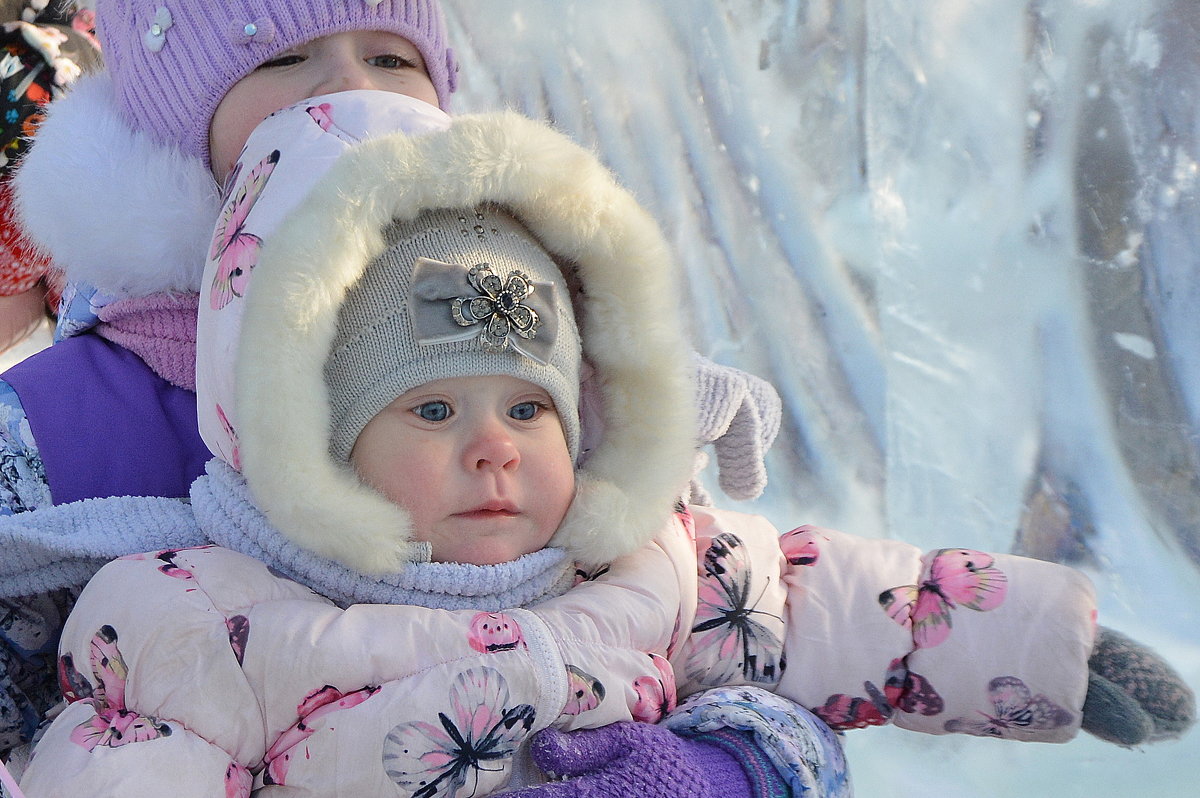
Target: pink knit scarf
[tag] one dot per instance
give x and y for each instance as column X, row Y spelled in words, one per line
column 160, row 329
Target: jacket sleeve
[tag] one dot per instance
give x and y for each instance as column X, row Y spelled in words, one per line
column 866, row 631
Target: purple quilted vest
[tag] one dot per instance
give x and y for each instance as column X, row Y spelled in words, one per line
column 105, row 424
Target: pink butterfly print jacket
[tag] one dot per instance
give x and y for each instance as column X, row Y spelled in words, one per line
column 228, row 663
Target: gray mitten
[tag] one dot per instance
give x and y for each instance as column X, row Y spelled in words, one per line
column 1133, row 695
column 739, row 414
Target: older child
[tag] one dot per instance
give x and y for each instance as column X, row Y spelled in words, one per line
column 123, row 192
column 408, row 377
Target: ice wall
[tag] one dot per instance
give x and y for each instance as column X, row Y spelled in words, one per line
column 961, row 238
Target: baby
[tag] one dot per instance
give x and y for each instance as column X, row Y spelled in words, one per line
column 376, row 334
column 460, row 380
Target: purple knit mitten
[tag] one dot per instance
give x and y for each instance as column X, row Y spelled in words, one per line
column 633, row 760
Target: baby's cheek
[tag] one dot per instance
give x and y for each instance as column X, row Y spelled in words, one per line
column 412, row 488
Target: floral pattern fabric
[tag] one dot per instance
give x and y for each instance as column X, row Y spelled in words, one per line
column 802, row 748
column 23, row 484
column 28, row 643
column 79, row 310
column 28, row 626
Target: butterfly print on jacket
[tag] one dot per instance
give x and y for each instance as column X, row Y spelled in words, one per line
column 1016, row 713
column 731, row 640
column 955, row 578
column 114, row 724
column 478, row 734
column 236, row 249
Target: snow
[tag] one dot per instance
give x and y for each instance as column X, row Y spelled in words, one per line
column 961, row 238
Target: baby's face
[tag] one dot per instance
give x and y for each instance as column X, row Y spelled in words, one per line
column 480, row 463
column 337, row 62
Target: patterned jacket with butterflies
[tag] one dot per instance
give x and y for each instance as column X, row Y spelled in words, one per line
column 257, row 681
column 208, row 662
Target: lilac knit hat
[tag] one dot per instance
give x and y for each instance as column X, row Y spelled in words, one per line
column 172, row 61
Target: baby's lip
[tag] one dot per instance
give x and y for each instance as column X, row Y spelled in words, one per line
column 498, row 508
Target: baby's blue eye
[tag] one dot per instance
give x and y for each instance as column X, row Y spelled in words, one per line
column 525, row 411
column 434, row 411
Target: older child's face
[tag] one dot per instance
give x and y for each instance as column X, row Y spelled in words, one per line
column 337, row 62
column 480, row 463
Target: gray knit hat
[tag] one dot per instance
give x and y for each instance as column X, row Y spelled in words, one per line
column 456, row 293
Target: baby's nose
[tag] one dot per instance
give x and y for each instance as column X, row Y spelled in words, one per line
column 493, row 450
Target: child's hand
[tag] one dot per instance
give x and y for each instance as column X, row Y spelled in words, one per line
column 1133, row 695
column 632, row 760
column 739, row 414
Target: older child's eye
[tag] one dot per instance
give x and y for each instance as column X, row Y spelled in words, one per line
column 287, row 59
column 434, row 411
column 391, row 61
column 526, row 411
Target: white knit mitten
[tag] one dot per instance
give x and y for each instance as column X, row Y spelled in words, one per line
column 739, row 414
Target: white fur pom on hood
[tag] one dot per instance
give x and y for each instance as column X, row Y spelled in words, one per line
column 112, row 208
column 633, row 329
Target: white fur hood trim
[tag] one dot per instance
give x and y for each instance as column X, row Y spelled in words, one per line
column 632, row 325
column 112, row 208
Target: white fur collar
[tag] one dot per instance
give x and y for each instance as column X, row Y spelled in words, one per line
column 631, row 321
column 111, row 207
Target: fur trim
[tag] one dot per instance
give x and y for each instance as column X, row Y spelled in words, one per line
column 632, row 329
column 109, row 206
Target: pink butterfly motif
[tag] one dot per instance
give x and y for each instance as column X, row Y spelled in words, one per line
column 902, row 689
column 478, row 734
column 236, row 457
column 841, row 711
column 655, row 696
column 323, row 115
column 232, row 178
column 687, row 520
column 171, row 568
column 729, row 642
column 955, row 578
column 589, row 574
column 801, row 545
column 911, row 692
column 173, row 564
column 494, row 631
column 315, row 706
column 108, row 667
column 113, row 728
column 71, row 683
column 1016, row 713
column 584, row 691
column 237, row 249
column 114, row 724
column 239, row 633
column 168, row 567
column 238, row 781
